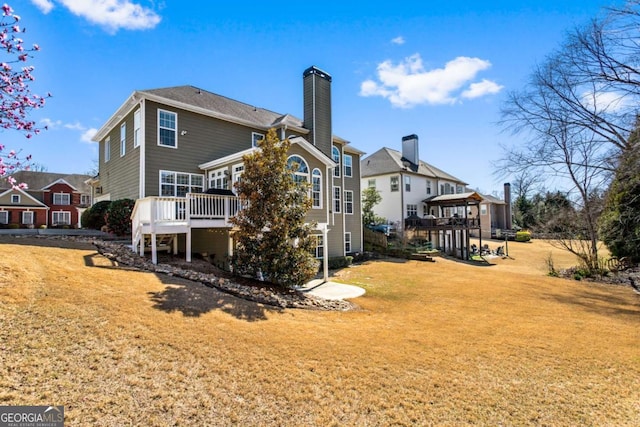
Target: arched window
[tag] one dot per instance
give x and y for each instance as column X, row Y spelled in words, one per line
column 298, row 168
column 316, row 189
column 336, row 158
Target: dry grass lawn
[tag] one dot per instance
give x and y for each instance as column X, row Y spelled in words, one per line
column 442, row 343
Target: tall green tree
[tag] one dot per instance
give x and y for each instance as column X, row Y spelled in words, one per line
column 273, row 240
column 620, row 221
column 370, row 198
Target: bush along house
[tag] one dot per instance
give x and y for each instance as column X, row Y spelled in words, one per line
column 178, row 151
column 52, row 200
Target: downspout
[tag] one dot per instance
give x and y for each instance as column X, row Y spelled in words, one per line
column 142, row 147
column 344, row 208
column 401, row 183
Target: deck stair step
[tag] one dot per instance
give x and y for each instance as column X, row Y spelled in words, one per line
column 163, row 242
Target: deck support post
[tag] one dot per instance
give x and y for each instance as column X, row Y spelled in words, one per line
column 188, row 245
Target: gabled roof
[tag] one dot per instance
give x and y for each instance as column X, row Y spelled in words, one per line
column 42, row 180
column 200, row 101
column 387, row 160
column 24, row 193
column 60, row 181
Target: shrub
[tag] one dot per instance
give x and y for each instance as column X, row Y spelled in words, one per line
column 340, row 262
column 14, row 226
column 94, row 217
column 118, row 217
column 523, row 236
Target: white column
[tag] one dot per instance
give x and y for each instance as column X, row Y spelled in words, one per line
column 188, row 245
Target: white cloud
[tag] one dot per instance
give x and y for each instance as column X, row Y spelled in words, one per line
column 88, row 134
column 51, row 124
column 485, row 87
column 44, row 5
column 85, row 133
column 74, row 126
column 609, row 102
column 398, row 40
column 408, row 83
column 113, row 14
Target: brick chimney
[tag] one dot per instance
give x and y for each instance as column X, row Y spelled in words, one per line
column 317, row 108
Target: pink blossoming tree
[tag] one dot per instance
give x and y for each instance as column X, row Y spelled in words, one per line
column 16, row 99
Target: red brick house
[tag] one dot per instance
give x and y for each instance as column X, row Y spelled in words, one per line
column 52, row 200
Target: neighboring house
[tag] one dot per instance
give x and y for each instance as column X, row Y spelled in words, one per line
column 52, row 200
column 421, row 200
column 177, row 151
column 405, row 183
column 495, row 215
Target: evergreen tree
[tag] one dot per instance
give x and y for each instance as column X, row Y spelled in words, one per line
column 620, row 221
column 273, row 241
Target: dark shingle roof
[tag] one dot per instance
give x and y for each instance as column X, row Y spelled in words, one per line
column 386, row 160
column 200, row 98
column 39, row 180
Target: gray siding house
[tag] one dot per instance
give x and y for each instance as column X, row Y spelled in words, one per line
column 177, row 151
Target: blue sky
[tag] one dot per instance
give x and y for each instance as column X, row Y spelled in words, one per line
column 437, row 69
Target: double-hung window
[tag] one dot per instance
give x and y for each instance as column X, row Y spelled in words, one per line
column 395, row 183
column 407, row 183
column 136, row 128
column 348, row 201
column 123, row 139
column 412, row 210
column 4, row 217
column 15, row 199
column 255, row 138
column 107, row 149
column 27, row 217
column 336, row 199
column 319, row 249
column 347, row 242
column 347, row 162
column 61, row 218
column 167, row 129
column 61, row 199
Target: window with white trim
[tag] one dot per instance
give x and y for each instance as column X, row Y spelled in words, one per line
column 395, row 183
column 255, row 138
column 335, row 154
column 459, row 189
column 298, row 167
column 15, row 199
column 27, row 217
column 483, row 209
column 85, row 199
column 237, row 171
column 61, row 198
column 61, row 218
column 336, row 199
column 167, row 129
column 371, row 183
column 316, row 189
column 319, row 249
column 107, row 149
column 348, row 201
column 347, row 161
column 347, row 242
column 123, row 139
column 178, row 184
column 428, row 186
column 412, row 210
column 136, row 128
column 407, row 183
column 4, row 217
column 219, row 179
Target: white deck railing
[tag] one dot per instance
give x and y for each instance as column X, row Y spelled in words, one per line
column 153, row 211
